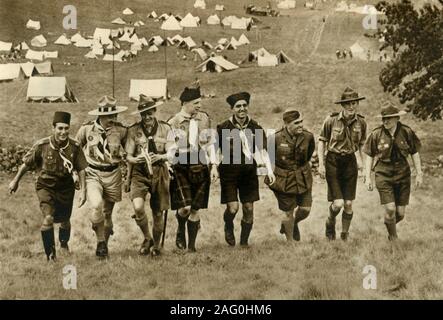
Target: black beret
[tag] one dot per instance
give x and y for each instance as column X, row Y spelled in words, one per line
column 62, row 117
column 190, row 94
column 233, row 98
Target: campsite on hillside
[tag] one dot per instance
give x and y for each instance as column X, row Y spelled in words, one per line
column 287, row 55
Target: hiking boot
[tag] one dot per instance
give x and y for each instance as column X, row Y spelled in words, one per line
column 102, row 250
column 229, row 229
column 193, row 227
column 49, row 244
column 146, row 246
column 155, row 253
column 296, row 233
column 330, row 229
column 344, row 236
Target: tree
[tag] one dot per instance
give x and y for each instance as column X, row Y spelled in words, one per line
column 415, row 74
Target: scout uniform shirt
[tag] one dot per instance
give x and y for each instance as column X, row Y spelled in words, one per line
column 102, row 147
column 55, row 163
column 389, row 149
column 343, row 136
column 188, row 131
column 293, row 154
column 250, row 137
column 154, row 141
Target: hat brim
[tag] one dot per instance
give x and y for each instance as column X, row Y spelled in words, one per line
column 349, row 100
column 159, row 103
column 400, row 113
column 118, row 109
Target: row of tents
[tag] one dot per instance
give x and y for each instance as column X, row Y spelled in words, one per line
column 353, row 8
column 20, row 71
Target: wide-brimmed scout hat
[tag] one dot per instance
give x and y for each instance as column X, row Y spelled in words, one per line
column 146, row 103
column 106, row 106
column 389, row 110
column 349, row 95
column 292, row 115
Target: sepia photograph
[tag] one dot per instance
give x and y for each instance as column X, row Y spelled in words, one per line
column 241, row 151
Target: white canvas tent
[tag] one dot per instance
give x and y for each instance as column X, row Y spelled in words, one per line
column 84, row 43
column 44, row 68
column 51, row 54
column 28, row 69
column 128, row 12
column 156, row 40
column 63, row 40
column 207, row 45
column 98, row 51
column 283, row 57
column 240, row 24
column 177, row 38
column 118, row 21
column 189, row 21
column 134, row 39
column 34, row 55
column 163, row 17
column 286, row 4
column 154, row 88
column 216, row 64
column 139, row 23
column 90, row 55
column 49, row 89
column 200, row 4
column 11, row 71
column 153, row 15
column 34, row 25
column 171, row 24
column 253, row 56
column 103, row 35
column 267, row 61
column 23, row 45
column 76, row 37
column 219, row 7
column 117, row 57
column 243, row 39
column 153, row 48
column 213, row 20
column 39, row 41
column 201, row 53
column 5, row 46
column 187, row 43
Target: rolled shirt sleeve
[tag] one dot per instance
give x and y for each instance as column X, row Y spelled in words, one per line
column 80, row 162
column 325, row 133
column 414, row 142
column 33, row 158
column 370, row 146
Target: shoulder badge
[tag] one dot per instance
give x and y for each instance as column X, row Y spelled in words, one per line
column 74, row 142
column 334, row 114
column 43, row 141
column 361, row 116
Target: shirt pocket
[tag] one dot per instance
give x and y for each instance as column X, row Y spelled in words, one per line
column 356, row 134
column 50, row 163
column 337, row 134
column 284, row 151
column 160, row 144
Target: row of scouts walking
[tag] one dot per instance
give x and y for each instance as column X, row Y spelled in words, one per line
column 176, row 162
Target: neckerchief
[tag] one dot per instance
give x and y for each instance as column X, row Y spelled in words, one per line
column 102, row 146
column 60, row 149
column 150, row 135
column 244, row 141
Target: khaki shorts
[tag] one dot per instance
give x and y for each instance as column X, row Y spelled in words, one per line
column 108, row 184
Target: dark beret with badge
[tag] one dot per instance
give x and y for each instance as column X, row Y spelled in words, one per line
column 190, row 94
column 234, row 98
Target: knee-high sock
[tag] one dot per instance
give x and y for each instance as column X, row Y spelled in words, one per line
column 99, row 229
column 391, row 227
column 333, row 213
column 346, row 219
column 142, row 222
column 48, row 242
column 300, row 214
column 157, row 230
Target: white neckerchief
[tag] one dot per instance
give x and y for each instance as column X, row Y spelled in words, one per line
column 66, row 162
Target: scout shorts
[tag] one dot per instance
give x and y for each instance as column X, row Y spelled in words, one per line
column 108, row 184
column 288, row 202
column 56, row 199
column 190, row 186
column 393, row 182
column 341, row 176
column 239, row 180
column 157, row 185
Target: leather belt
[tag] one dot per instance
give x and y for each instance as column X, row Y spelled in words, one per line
column 104, row 169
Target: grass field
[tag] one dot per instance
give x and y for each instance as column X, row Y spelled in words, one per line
column 271, row 268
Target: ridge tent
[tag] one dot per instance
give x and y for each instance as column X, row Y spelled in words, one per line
column 267, row 60
column 189, row 21
column 143, row 41
column 227, row 21
column 34, row 55
column 128, row 12
column 117, row 57
column 5, row 46
column 207, row 45
column 286, row 4
column 103, row 35
column 125, row 37
column 235, row 42
column 44, row 68
column 39, row 41
column 153, row 48
column 255, row 54
column 139, row 23
column 23, row 45
column 239, row 24
column 154, row 88
column 90, row 55
column 11, row 71
column 219, row 48
column 118, row 21
column 223, row 41
column 216, row 64
column 163, row 17
column 201, row 53
column 29, row 69
column 213, row 20
column 98, row 51
column 200, row 4
column 129, row 30
column 168, row 42
column 76, row 37
column 31, row 24
column 84, row 43
column 231, row 46
column 62, row 40
column 156, row 40
column 187, row 43
column 114, row 45
column 51, row 54
column 136, row 46
column 219, row 7
column 243, row 39
column 134, row 39
column 171, row 24
column 49, row 89
column 283, row 57
column 153, row 15
column 177, row 38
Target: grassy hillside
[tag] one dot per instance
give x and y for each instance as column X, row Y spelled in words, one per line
column 270, row 269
